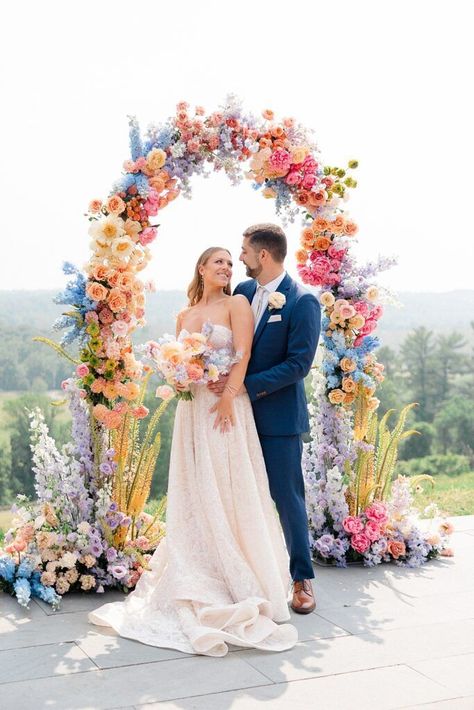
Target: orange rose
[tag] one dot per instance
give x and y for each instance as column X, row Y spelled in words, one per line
column 350, row 228
column 268, row 115
column 317, row 198
column 115, row 204
column 348, row 384
column 117, row 301
column 327, row 299
column 347, row 365
column 396, row 548
column 322, row 243
column 356, row 321
column 307, row 238
column 157, row 183
column 337, row 225
column 336, row 396
column 100, row 272
column 349, row 397
column 96, row 291
column 95, row 206
column 302, row 198
column 320, row 224
column 301, row 256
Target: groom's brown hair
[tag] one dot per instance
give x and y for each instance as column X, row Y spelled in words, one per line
column 270, row 237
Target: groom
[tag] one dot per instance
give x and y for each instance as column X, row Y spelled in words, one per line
column 287, row 325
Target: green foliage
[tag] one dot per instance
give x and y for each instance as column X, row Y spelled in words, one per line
column 444, row 464
column 454, row 425
column 419, row 446
column 18, row 426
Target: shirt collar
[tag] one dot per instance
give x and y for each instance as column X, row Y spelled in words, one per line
column 273, row 285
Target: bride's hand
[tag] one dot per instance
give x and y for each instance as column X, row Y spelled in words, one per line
column 225, row 413
column 179, row 387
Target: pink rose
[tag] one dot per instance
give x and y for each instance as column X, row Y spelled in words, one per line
column 119, row 328
column 147, row 236
column 372, row 530
column 293, row 178
column 106, row 316
column 360, row 542
column 82, row 370
column 377, row 512
column 91, row 317
column 362, row 308
column 352, row 524
column 140, row 412
column 280, row 160
column 309, row 181
column 164, row 392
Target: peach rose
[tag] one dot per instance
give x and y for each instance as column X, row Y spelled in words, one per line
column 373, row 403
column 336, row 396
column 98, row 385
column 348, row 384
column 298, row 154
column 372, row 293
column 322, row 243
column 155, row 159
column 446, row 527
column 132, row 390
column 347, row 311
column 140, row 412
column 350, row 228
column 320, row 224
column 356, row 322
column 96, row 291
column 157, row 183
column 396, row 548
column 132, row 229
column 115, row 204
column 349, row 397
column 268, row 115
column 95, row 206
column 347, row 365
column 116, row 300
column 301, row 256
column 100, row 272
column 307, row 238
column 447, row 552
column 327, row 299
column 337, row 225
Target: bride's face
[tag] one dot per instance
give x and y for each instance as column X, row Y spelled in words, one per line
column 217, row 271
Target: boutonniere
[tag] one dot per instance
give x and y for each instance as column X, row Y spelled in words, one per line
column 276, row 300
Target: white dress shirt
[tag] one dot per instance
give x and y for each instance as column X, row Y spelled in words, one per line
column 260, row 299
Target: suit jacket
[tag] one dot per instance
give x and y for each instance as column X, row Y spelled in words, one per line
column 283, row 351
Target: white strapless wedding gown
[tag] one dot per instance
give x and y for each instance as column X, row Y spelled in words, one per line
column 221, row 574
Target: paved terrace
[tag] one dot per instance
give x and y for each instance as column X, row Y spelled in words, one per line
column 385, row 637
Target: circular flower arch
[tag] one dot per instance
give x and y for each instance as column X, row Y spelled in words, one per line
column 89, row 520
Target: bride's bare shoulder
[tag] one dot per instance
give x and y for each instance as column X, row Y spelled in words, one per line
column 182, row 315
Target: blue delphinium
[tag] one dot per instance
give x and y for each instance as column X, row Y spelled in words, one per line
column 74, row 295
column 22, row 590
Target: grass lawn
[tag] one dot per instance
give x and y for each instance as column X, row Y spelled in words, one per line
column 453, row 494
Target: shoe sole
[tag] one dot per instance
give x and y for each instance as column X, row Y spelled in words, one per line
column 302, row 611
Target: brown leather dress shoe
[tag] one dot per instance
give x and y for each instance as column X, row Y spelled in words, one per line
column 303, row 601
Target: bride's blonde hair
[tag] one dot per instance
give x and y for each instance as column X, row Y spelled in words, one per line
column 196, row 287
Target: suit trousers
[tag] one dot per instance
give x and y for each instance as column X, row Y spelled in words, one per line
column 282, row 456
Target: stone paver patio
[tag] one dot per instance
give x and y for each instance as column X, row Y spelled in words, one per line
column 386, row 637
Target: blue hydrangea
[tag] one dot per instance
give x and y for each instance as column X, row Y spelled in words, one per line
column 22, row 591
column 7, row 568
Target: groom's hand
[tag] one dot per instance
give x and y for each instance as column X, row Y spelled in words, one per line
column 218, row 387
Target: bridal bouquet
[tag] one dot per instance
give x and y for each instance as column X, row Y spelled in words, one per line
column 188, row 360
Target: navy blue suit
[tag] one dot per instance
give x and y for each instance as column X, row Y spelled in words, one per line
column 282, row 354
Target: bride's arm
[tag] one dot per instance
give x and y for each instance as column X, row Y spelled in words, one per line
column 242, row 323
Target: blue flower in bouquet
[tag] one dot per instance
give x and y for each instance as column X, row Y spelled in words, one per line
column 22, row 591
column 26, row 567
column 7, row 568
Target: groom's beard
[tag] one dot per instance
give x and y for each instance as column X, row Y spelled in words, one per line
column 253, row 273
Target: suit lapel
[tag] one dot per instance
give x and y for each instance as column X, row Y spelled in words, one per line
column 284, row 287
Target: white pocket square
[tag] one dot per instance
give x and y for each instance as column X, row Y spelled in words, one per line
column 273, row 319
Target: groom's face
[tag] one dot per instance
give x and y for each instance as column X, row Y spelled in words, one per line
column 251, row 259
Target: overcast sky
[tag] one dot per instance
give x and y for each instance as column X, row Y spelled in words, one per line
column 387, row 83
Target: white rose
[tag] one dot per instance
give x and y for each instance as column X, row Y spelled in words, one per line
column 83, row 527
column 276, row 300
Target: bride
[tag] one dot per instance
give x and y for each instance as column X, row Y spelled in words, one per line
column 221, row 573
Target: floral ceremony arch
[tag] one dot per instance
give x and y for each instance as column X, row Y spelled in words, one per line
column 88, row 529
